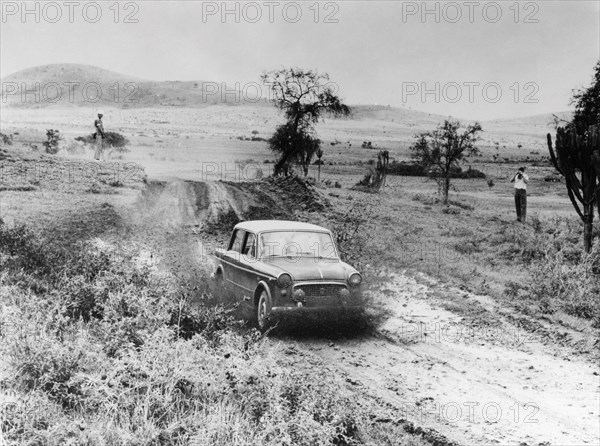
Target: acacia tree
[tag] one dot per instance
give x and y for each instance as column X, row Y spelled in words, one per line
column 441, row 151
column 587, row 105
column 304, row 96
column 293, row 144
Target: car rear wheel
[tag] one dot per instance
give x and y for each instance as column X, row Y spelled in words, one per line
column 217, row 284
column 219, row 279
column 263, row 312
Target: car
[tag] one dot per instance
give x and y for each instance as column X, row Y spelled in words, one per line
column 287, row 267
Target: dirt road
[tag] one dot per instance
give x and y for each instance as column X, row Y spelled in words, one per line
column 474, row 384
column 488, row 386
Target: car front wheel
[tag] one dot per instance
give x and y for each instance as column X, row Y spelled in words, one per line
column 263, row 312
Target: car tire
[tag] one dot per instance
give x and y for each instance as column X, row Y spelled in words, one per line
column 219, row 280
column 217, row 284
column 263, row 312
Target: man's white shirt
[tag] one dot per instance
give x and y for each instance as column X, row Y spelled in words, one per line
column 520, row 182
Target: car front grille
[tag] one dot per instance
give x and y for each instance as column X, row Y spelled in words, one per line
column 321, row 293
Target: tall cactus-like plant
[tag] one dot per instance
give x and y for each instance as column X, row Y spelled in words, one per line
column 577, row 158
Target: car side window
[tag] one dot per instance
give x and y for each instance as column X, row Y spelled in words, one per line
column 236, row 241
column 250, row 245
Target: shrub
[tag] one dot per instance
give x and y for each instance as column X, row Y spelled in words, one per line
column 53, row 139
column 6, row 139
column 469, row 173
column 49, row 366
column 351, row 233
column 406, row 169
column 417, row 170
column 451, row 210
column 113, row 140
column 561, row 276
column 558, row 283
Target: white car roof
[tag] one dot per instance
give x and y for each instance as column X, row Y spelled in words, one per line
column 278, row 225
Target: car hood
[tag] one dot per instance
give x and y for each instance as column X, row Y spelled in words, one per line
column 306, row 268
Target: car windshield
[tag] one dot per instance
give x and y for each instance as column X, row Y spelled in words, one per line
column 297, row 244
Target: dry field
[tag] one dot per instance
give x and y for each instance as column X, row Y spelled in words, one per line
column 456, row 351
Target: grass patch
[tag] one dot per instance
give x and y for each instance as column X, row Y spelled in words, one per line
column 98, row 352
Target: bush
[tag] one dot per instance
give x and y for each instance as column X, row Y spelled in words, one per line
column 469, row 173
column 573, row 287
column 352, row 235
column 112, row 140
column 561, row 277
column 52, row 141
column 6, row 139
column 406, row 169
column 417, row 170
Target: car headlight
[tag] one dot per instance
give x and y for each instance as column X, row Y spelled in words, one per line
column 355, row 279
column 284, row 280
column 299, row 296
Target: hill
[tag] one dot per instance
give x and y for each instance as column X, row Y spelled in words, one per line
column 90, row 86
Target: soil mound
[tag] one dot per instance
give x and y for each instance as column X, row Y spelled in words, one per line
column 218, row 206
column 297, row 192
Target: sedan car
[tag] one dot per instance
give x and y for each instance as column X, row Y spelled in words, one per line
column 287, row 267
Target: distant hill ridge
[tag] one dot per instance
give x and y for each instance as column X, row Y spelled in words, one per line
column 90, row 86
column 81, row 85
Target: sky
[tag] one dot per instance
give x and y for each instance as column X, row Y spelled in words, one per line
column 466, row 59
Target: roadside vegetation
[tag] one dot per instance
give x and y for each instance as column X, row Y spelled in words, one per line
column 97, row 350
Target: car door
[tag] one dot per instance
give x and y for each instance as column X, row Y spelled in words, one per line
column 249, row 265
column 231, row 258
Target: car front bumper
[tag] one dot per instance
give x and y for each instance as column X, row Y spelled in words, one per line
column 341, row 308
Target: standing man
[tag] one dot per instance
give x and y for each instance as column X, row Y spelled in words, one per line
column 521, row 179
column 99, row 135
